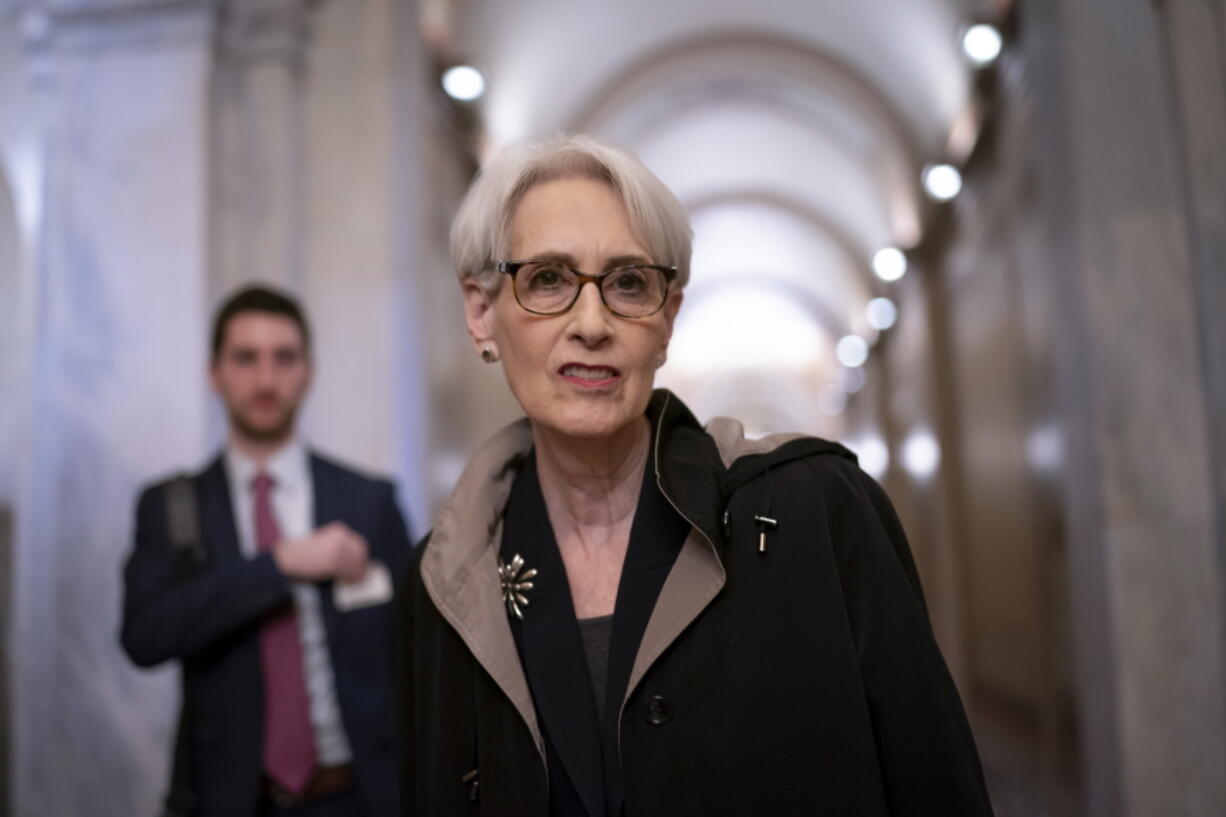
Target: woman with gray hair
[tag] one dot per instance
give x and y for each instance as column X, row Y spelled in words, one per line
column 621, row 612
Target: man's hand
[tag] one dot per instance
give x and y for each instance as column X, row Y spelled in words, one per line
column 331, row 552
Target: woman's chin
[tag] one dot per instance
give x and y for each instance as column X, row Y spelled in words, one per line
column 586, row 422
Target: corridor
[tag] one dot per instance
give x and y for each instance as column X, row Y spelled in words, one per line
column 981, row 243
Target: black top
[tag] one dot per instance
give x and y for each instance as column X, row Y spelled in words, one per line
column 580, row 733
column 596, row 634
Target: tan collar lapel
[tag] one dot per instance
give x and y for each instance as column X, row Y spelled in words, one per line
column 460, row 565
column 729, row 436
column 698, row 575
column 696, row 578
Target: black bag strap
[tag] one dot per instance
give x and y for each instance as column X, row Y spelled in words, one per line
column 187, row 546
column 183, row 525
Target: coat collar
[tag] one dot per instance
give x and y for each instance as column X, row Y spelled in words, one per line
column 217, row 512
column 459, row 568
column 688, row 466
column 548, row 642
column 583, row 737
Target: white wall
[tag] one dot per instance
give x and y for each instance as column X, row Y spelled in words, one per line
column 116, row 315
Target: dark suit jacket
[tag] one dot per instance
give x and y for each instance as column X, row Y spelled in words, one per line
column 210, row 621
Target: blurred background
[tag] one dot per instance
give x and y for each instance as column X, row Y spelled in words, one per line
column 982, row 242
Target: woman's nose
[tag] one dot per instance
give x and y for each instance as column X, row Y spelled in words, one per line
column 589, row 316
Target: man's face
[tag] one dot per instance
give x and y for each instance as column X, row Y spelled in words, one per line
column 261, row 373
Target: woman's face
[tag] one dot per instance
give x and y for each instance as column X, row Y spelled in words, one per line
column 585, row 372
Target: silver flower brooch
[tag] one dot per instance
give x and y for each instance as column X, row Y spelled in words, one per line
column 515, row 582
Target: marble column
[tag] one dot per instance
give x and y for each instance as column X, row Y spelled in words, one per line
column 365, row 278
column 258, row 174
column 117, row 386
column 316, row 178
column 1196, row 43
column 12, row 356
column 1146, row 578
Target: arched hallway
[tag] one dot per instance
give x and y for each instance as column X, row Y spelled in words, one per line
column 1035, row 369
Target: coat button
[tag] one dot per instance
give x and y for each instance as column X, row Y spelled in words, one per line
column 657, row 711
column 726, row 524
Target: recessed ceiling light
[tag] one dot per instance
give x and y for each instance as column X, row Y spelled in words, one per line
column 942, row 182
column 921, row 454
column 463, row 82
column 982, row 44
column 853, row 380
column 881, row 313
column 852, row 351
column 890, row 264
column 873, row 455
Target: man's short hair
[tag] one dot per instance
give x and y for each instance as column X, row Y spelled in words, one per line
column 258, row 299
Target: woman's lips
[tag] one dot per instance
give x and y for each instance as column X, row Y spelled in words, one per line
column 589, row 376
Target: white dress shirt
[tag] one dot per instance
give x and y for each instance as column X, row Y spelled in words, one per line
column 293, row 502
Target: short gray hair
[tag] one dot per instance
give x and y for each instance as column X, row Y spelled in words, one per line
column 480, row 231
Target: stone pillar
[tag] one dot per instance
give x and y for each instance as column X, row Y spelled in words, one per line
column 365, row 279
column 259, row 176
column 1196, row 44
column 316, row 186
column 176, row 143
column 12, row 359
column 1146, row 578
column 117, row 392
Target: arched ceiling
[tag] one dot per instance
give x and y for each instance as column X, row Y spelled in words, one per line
column 728, row 147
column 794, row 131
column 551, row 58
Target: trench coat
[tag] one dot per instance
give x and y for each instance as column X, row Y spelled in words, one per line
column 783, row 668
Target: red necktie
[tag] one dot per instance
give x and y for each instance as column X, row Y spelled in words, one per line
column 289, row 738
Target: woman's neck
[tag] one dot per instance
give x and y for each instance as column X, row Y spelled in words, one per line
column 591, row 486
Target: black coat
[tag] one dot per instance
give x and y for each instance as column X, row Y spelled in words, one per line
column 210, row 621
column 800, row 680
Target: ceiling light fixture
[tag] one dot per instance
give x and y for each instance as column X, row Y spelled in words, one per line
column 463, row 82
column 853, row 380
column 873, row 455
column 852, row 351
column 881, row 313
column 942, row 182
column 890, row 263
column 982, row 44
column 921, row 454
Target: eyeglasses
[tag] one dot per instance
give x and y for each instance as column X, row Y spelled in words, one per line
column 551, row 287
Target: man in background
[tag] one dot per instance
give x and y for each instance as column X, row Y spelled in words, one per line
column 271, row 583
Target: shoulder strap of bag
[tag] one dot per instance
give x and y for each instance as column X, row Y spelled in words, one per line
column 183, row 525
column 187, row 545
